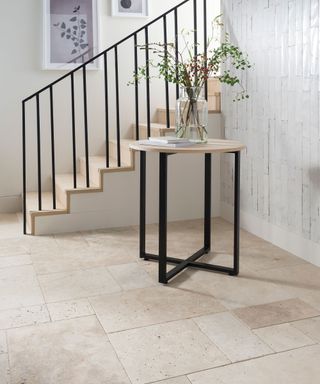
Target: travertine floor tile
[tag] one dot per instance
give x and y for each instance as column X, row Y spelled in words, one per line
column 267, row 256
column 234, row 292
column 113, row 237
column 283, row 337
column 148, row 306
column 163, row 351
column 19, row 288
column 302, row 281
column 14, row 261
column 12, row 247
column 71, row 240
column 25, row 244
column 70, row 309
column 310, row 327
column 21, row 317
column 10, row 230
column 223, row 241
column 300, row 366
column 77, row 284
column 80, row 259
column 4, row 369
column 232, row 337
column 131, row 276
column 66, row 352
column 97, row 266
column 275, row 313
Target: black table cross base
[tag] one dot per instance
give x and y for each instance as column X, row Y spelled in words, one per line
column 181, row 264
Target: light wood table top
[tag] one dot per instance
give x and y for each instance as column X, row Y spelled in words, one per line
column 212, row 146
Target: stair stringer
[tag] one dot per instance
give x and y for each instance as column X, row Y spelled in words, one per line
column 80, row 191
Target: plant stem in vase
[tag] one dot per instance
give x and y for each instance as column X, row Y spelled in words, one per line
column 192, row 115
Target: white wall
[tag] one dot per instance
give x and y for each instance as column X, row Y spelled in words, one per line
column 21, row 75
column 279, row 123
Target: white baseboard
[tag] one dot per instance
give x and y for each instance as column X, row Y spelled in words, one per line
column 291, row 242
column 10, row 204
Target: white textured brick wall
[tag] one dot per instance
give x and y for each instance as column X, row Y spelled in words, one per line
column 280, row 122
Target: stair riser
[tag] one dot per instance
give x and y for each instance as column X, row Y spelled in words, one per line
column 125, row 154
column 93, row 172
column 61, row 195
column 143, row 132
column 214, row 102
column 214, row 86
column 162, row 117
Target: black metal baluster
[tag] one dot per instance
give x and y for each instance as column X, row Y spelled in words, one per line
column 117, row 104
column 74, row 145
column 106, row 100
column 176, row 33
column 165, row 36
column 148, row 82
column 24, row 172
column 86, row 138
column 136, row 83
column 205, row 37
column 53, row 162
column 195, row 27
column 39, row 153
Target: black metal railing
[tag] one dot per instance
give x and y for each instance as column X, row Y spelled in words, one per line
column 143, row 33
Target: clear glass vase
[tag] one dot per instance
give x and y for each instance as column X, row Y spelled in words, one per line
column 192, row 115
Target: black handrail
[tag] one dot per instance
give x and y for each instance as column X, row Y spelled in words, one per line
column 106, row 50
column 118, row 110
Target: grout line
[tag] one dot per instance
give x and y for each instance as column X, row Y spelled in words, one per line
column 196, row 324
column 114, row 349
column 168, row 378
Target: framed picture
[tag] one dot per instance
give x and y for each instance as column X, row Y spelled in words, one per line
column 71, row 33
column 130, row 8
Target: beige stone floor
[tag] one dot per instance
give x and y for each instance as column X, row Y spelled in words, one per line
column 82, row 309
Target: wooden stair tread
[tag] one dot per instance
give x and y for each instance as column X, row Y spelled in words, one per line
column 157, row 126
column 99, row 162
column 65, row 182
column 124, row 144
column 47, row 202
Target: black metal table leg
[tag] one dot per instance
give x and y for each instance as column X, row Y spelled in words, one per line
column 191, row 261
column 163, row 181
column 142, row 204
column 236, row 223
column 207, row 203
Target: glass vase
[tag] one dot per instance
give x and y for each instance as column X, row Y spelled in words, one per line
column 192, row 115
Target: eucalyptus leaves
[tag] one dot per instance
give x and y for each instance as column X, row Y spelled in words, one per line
column 76, row 31
column 222, row 60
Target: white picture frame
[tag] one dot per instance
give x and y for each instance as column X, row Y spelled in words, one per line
column 70, row 34
column 130, row 8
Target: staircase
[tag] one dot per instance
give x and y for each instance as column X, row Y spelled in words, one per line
column 88, row 170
